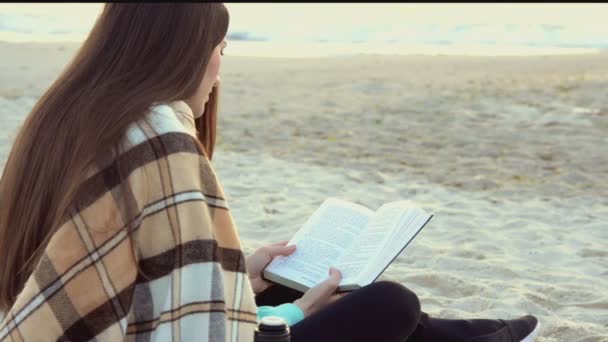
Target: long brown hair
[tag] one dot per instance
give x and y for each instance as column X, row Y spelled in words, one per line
column 135, row 55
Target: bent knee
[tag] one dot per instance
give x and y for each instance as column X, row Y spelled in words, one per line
column 394, row 295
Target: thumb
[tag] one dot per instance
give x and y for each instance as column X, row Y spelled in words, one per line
column 335, row 275
column 332, row 283
column 273, row 251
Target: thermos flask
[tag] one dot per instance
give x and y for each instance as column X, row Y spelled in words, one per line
column 272, row 329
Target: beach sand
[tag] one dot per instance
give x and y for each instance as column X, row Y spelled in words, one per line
column 508, row 153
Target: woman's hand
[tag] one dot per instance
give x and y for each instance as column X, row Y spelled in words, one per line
column 257, row 261
column 321, row 295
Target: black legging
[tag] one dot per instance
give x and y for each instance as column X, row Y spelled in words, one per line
column 382, row 311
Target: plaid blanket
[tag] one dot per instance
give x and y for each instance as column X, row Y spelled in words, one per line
column 193, row 285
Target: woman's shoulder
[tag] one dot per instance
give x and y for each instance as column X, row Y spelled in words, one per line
column 172, row 116
column 163, row 121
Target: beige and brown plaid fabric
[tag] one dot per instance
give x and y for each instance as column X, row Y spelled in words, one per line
column 195, row 288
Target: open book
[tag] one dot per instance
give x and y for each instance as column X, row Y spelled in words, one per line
column 359, row 242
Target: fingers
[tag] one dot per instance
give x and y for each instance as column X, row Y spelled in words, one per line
column 336, row 296
column 335, row 276
column 320, row 295
column 273, row 251
column 331, row 284
column 282, row 243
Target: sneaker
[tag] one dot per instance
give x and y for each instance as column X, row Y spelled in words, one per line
column 523, row 329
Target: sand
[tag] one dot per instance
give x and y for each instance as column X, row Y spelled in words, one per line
column 508, row 153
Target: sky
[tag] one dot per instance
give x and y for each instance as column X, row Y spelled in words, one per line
column 298, row 16
column 247, row 15
column 253, row 15
column 507, row 23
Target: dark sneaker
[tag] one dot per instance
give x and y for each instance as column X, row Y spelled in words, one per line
column 522, row 329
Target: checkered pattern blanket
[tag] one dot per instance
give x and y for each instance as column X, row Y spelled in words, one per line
column 158, row 207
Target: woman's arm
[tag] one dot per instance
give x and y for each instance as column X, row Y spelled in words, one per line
column 288, row 311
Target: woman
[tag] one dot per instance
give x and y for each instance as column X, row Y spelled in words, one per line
column 114, row 226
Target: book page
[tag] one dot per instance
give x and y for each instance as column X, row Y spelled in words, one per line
column 369, row 244
column 321, row 241
column 410, row 223
column 408, row 220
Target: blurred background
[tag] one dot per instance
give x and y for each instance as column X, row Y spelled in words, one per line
column 494, row 117
column 331, row 29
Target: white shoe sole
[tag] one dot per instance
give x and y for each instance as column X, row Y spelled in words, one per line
column 533, row 334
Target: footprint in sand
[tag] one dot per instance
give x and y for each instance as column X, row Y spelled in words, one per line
column 592, row 253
